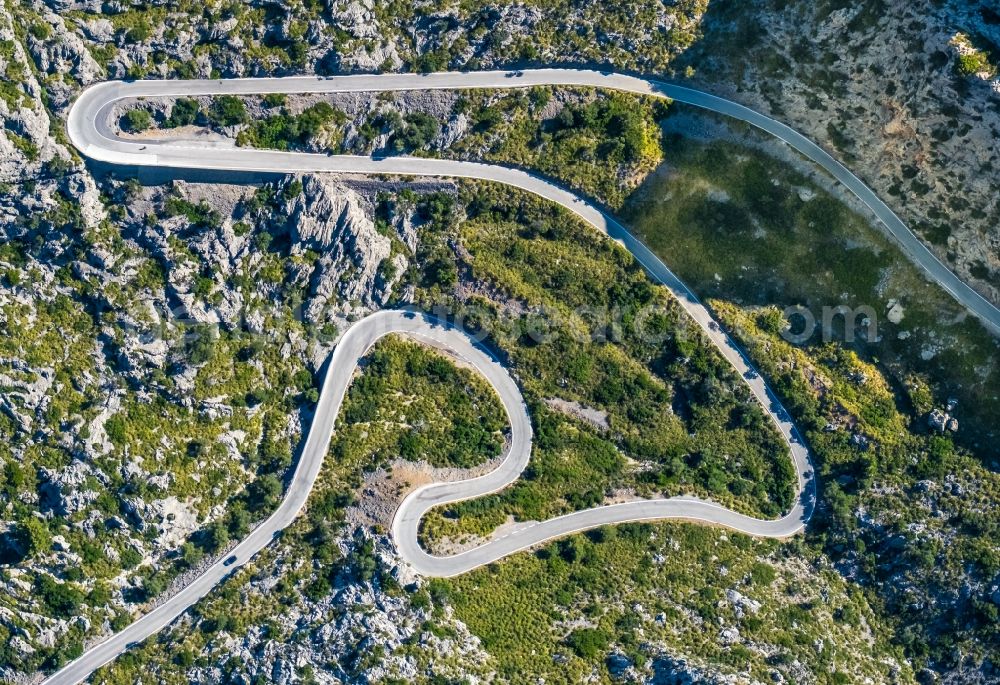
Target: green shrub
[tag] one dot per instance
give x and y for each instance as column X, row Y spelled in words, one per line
column 23, row 145
column 275, row 99
column 974, row 63
column 138, row 120
column 284, row 131
column 216, row 537
column 115, row 429
column 418, row 130
column 138, row 33
column 35, row 536
column 264, row 493
column 588, row 643
column 227, row 110
column 40, row 30
column 184, row 113
column 63, row 599
column 762, row 574
column 130, row 557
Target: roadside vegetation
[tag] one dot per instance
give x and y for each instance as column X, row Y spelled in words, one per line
column 285, row 131
column 905, row 508
column 639, row 592
column 679, row 421
column 411, row 402
column 138, row 120
column 602, row 144
column 589, row 606
column 183, row 112
column 744, row 228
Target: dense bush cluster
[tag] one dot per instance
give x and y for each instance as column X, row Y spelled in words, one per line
column 413, row 403
column 183, row 112
column 636, row 589
column 227, row 110
column 138, row 120
column 898, row 476
column 600, row 143
column 287, row 131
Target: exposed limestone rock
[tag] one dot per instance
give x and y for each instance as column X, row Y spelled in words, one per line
column 942, row 421
column 174, row 520
column 358, row 19
column 60, row 492
column 668, row 670
column 335, row 633
column 64, row 54
column 334, row 221
column 742, row 604
column 924, row 137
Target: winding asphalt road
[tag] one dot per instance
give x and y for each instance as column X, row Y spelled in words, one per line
column 354, row 344
column 92, row 132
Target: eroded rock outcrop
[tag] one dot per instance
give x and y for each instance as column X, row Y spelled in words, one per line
column 355, row 266
column 25, row 143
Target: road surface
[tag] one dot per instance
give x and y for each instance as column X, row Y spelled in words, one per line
column 345, row 358
column 92, row 131
column 93, row 134
column 350, row 349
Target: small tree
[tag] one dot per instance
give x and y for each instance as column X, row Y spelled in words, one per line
column 36, row 536
column 417, row 133
column 227, row 110
column 216, row 536
column 264, row 492
column 275, row 99
column 63, row 599
column 153, row 586
column 138, row 120
column 191, row 554
column 588, row 643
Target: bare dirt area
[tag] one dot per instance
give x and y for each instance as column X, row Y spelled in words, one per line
column 382, row 490
column 595, row 417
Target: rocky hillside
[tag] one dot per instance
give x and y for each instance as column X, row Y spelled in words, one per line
column 157, row 360
column 158, row 345
column 255, row 38
column 28, row 144
column 922, row 131
column 905, row 93
column 331, row 601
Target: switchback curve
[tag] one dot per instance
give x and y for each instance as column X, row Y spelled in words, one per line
column 90, row 130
